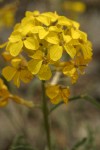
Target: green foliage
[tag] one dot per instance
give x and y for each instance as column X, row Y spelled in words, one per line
column 90, row 143
column 87, row 143
column 20, row 143
column 79, row 144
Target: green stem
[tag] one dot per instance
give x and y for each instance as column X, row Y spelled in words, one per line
column 91, row 100
column 45, row 114
column 84, row 97
column 56, row 106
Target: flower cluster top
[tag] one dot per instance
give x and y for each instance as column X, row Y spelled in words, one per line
column 43, row 43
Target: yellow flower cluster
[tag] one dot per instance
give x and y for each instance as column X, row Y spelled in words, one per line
column 5, row 96
column 42, row 43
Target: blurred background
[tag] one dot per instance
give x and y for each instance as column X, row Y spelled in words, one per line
column 77, row 121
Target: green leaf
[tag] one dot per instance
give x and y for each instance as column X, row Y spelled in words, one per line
column 20, row 143
column 79, row 144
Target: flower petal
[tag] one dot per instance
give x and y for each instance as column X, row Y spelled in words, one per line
column 43, row 19
column 70, row 50
column 56, row 52
column 52, row 91
column 3, row 45
column 65, row 92
column 3, row 102
column 8, row 72
column 25, row 76
column 15, row 48
column 34, row 66
column 15, row 37
column 45, row 72
column 52, row 38
column 16, row 79
column 31, row 43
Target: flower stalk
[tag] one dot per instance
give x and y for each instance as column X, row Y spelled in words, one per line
column 45, row 115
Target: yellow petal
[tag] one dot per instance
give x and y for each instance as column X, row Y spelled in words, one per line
column 74, row 77
column 34, row 66
column 31, row 43
column 67, row 38
column 53, row 16
column 36, row 29
column 25, row 76
column 34, row 13
column 16, row 79
column 2, row 85
column 87, row 50
column 64, row 21
column 55, row 29
column 42, row 33
column 52, row 38
column 15, row 37
column 7, row 56
column 56, row 100
column 3, row 45
column 44, row 20
column 8, row 72
column 17, row 26
column 4, row 92
column 56, row 52
column 83, row 35
column 70, row 50
column 3, row 102
column 69, row 71
column 75, row 34
column 52, row 91
column 26, row 25
column 45, row 72
column 65, row 92
column 28, row 13
column 15, row 48
column 75, row 24
column 26, row 28
column 38, row 55
column 16, row 62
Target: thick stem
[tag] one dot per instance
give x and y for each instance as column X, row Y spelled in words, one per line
column 45, row 114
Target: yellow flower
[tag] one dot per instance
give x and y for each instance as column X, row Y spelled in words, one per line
column 5, row 96
column 57, row 93
column 75, row 67
column 17, row 41
column 18, row 71
column 40, row 65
